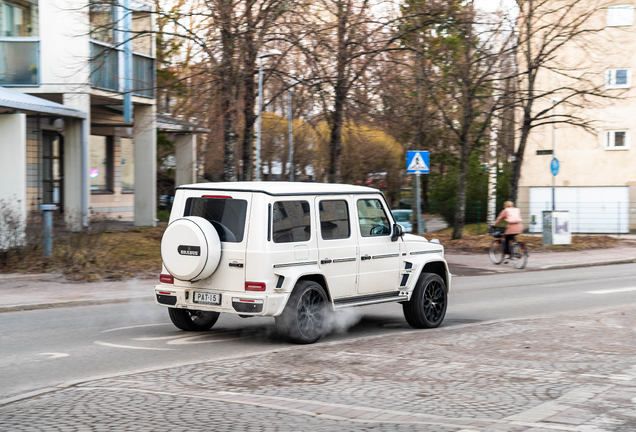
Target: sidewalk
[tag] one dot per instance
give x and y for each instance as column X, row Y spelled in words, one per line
column 42, row 291
column 474, row 265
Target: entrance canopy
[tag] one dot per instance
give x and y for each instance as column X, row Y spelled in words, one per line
column 11, row 100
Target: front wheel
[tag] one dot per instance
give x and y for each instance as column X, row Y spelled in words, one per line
column 193, row 320
column 496, row 252
column 428, row 303
column 305, row 316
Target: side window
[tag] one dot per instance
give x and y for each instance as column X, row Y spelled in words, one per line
column 373, row 220
column 334, row 219
column 292, row 221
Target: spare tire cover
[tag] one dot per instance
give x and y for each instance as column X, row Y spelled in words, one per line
column 190, row 248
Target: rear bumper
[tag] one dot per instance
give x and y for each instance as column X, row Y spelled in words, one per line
column 250, row 303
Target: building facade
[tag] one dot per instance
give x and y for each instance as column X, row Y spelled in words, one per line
column 97, row 60
column 596, row 180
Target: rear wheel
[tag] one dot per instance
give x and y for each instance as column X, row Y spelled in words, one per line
column 519, row 255
column 428, row 303
column 305, row 316
column 496, row 251
column 193, row 320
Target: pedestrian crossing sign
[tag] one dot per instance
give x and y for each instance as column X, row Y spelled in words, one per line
column 417, row 162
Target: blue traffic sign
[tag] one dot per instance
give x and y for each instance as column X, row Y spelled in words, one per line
column 417, row 162
column 554, row 166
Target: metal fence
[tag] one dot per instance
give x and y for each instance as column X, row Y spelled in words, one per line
column 589, row 217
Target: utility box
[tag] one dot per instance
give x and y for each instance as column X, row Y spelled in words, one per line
column 556, row 228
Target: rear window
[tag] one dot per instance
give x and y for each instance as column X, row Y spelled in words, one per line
column 227, row 216
column 292, row 221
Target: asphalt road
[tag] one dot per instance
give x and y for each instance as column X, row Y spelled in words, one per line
column 44, row 348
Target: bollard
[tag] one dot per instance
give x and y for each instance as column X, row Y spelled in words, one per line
column 48, row 210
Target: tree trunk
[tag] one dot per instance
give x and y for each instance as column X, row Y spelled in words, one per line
column 249, row 98
column 337, row 116
column 460, row 209
column 516, row 166
column 227, row 106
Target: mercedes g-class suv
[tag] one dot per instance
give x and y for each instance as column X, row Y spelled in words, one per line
column 296, row 252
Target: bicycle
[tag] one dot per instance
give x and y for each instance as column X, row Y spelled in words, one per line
column 496, row 251
column 518, row 250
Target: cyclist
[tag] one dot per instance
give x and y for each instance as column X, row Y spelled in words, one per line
column 512, row 216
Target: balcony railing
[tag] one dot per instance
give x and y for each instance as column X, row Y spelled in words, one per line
column 143, row 76
column 19, row 62
column 104, row 67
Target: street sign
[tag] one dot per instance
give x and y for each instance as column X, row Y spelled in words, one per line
column 417, row 162
column 554, row 166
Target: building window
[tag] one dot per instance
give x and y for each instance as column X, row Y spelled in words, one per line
column 102, row 20
column 292, row 221
column 101, row 166
column 127, row 165
column 620, row 15
column 19, row 18
column 617, row 140
column 618, row 78
column 19, row 43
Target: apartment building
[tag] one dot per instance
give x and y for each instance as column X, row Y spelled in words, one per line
column 78, row 116
column 596, row 181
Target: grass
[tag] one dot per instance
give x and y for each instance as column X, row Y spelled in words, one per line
column 96, row 256
column 475, row 240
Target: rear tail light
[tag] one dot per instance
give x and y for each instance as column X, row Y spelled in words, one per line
column 254, row 286
column 166, row 278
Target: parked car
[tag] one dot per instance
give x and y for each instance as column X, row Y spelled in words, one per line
column 296, row 252
column 403, row 217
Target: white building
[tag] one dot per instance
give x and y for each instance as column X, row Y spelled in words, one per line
column 98, row 156
column 596, row 181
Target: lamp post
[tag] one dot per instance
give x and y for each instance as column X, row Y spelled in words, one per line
column 554, row 101
column 291, row 129
column 261, row 56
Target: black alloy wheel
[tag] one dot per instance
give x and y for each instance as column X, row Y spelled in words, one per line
column 428, row 303
column 304, row 318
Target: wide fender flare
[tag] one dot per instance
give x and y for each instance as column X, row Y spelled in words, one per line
column 433, row 263
column 291, row 276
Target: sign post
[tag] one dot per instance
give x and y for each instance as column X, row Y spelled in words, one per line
column 417, row 162
column 554, row 167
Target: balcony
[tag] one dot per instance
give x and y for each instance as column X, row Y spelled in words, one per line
column 19, row 62
column 143, row 76
column 104, row 67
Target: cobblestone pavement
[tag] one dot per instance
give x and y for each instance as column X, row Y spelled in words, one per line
column 574, row 372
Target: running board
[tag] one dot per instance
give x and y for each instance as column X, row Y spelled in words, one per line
column 393, row 296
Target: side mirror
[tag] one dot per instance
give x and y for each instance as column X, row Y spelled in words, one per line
column 398, row 231
column 435, row 241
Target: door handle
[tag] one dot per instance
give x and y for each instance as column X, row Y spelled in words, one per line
column 326, row 261
column 365, row 257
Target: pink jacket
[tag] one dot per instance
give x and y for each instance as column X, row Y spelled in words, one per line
column 512, row 216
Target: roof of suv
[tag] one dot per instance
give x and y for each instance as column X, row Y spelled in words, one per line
column 284, row 188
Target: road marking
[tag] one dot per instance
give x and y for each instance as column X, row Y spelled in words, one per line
column 190, row 340
column 135, row 326
column 54, row 355
column 610, row 291
column 131, row 347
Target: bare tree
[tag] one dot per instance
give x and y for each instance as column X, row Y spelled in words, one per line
column 557, row 49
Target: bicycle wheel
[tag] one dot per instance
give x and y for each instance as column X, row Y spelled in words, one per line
column 519, row 255
column 496, row 252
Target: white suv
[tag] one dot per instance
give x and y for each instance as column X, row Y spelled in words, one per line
column 294, row 251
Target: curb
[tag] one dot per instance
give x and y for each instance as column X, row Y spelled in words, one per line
column 69, row 303
column 588, row 264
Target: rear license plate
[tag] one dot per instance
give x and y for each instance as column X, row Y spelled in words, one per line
column 206, row 298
